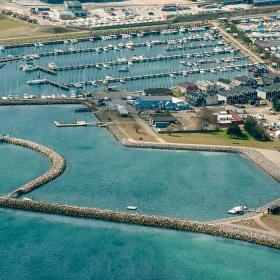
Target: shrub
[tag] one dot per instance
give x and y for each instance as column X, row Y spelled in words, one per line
column 234, row 130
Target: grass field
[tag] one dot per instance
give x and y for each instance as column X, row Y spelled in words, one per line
column 219, row 138
column 16, row 31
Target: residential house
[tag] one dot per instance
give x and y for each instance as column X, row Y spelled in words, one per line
column 244, row 81
column 238, row 95
column 207, row 86
column 201, row 98
column 270, row 92
column 187, row 87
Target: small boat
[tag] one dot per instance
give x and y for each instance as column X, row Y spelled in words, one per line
column 123, row 69
column 237, row 210
column 130, row 207
column 37, row 82
column 105, row 65
column 28, row 67
column 122, row 81
column 52, row 66
column 26, row 199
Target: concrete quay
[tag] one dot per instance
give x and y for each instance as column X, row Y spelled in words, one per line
column 142, row 219
column 58, row 165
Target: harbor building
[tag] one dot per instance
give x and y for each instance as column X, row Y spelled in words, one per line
column 238, row 95
column 160, row 102
column 162, row 120
column 261, row 3
column 157, row 91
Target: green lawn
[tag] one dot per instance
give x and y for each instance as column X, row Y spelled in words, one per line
column 220, row 138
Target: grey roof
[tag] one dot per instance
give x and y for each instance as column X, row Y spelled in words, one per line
column 163, row 118
column 187, row 84
column 156, row 98
column 158, row 91
column 224, row 81
column 236, row 91
column 271, row 87
column 270, row 76
column 244, row 79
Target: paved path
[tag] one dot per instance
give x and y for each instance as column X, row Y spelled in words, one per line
column 245, row 50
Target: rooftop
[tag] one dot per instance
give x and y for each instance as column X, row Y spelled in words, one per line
column 156, row 98
column 235, row 91
column 224, row 81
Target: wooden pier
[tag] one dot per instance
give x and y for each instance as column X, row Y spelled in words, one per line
column 46, row 70
column 80, row 123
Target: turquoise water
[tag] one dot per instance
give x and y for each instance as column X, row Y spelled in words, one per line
column 101, row 173
column 18, row 166
column 16, row 84
column 38, row 246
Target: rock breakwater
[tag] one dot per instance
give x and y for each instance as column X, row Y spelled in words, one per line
column 58, row 164
column 141, row 219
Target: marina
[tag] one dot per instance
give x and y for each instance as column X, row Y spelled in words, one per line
column 159, row 58
column 138, row 204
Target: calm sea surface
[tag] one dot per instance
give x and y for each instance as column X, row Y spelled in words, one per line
column 38, row 246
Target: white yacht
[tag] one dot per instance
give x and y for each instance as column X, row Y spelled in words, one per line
column 130, row 207
column 237, row 210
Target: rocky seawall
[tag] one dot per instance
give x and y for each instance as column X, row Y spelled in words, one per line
column 141, row 219
column 58, row 164
column 251, row 154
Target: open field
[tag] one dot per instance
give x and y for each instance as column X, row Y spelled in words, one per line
column 219, row 138
column 272, row 221
column 12, row 30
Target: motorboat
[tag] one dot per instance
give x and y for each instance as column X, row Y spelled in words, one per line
column 132, row 208
column 52, row 66
column 238, row 210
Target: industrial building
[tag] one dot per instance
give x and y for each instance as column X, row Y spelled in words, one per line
column 76, row 8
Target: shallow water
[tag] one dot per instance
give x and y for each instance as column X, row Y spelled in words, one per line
column 40, row 246
column 101, row 173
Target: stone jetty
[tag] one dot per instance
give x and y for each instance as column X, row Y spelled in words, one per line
column 142, row 219
column 58, row 164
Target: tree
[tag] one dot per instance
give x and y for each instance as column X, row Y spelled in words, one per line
column 234, row 130
column 206, row 116
column 256, row 130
